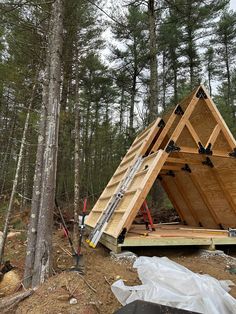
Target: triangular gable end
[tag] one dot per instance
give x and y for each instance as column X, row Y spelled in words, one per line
column 176, row 142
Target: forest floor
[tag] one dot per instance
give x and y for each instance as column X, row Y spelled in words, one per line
column 92, row 291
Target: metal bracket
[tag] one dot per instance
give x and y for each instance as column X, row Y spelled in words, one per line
column 201, row 149
column 221, row 227
column 233, row 153
column 161, row 124
column 172, row 147
column 186, row 168
column 170, row 173
column 204, row 151
column 122, row 235
column 179, row 111
column 208, row 163
column 232, row 232
column 208, row 150
column 201, row 94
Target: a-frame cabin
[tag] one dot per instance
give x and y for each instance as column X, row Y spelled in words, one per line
column 193, row 154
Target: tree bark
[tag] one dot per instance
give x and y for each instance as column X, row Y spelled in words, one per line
column 43, row 254
column 76, row 157
column 153, row 105
column 36, row 195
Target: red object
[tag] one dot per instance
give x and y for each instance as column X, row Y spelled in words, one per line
column 65, row 232
column 85, row 205
column 146, row 214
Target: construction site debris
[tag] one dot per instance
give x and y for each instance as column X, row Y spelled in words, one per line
column 126, row 255
column 168, row 283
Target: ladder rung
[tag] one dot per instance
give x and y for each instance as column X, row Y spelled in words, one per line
column 120, row 172
column 133, row 148
column 130, row 192
column 113, row 183
column 105, row 197
column 126, row 160
column 150, row 156
column 97, row 211
column 141, row 172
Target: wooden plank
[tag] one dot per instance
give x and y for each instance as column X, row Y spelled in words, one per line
column 183, row 160
column 226, row 193
column 122, row 170
column 215, row 112
column 213, row 192
column 172, row 199
column 179, row 200
column 190, row 150
column 184, row 118
column 184, row 195
column 195, row 199
column 214, row 135
column 140, row 195
column 193, row 132
column 164, row 132
column 205, row 199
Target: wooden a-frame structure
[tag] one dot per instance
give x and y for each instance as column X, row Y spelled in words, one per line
column 193, row 154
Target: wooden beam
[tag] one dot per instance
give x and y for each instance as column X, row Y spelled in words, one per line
column 226, row 193
column 193, row 132
column 171, row 167
column 165, row 130
column 141, row 194
column 172, row 199
column 183, row 161
column 205, row 199
column 190, row 150
column 214, row 135
column 184, row 118
column 186, row 200
column 215, row 112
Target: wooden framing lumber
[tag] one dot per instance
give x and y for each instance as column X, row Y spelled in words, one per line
column 203, row 193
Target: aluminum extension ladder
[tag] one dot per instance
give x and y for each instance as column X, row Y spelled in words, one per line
column 101, row 225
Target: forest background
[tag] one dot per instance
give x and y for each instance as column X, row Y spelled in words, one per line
column 105, row 82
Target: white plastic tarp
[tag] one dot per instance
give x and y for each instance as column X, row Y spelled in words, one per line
column 168, row 283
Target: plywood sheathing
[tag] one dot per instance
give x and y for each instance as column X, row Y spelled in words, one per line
column 204, row 196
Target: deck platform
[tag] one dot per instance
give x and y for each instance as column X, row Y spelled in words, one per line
column 170, row 235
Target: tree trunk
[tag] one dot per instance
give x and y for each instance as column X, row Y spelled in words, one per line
column 43, row 254
column 132, row 104
column 15, row 182
column 153, row 102
column 36, row 196
column 76, row 156
column 229, row 98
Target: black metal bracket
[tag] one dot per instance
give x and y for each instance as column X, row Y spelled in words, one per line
column 161, row 124
column 208, row 163
column 170, row 173
column 208, row 149
column 172, row 147
column 233, row 153
column 201, row 149
column 179, row 111
column 201, row 94
column 221, row 227
column 204, row 151
column 122, row 235
column 186, row 168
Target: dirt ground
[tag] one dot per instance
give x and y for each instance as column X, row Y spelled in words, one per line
column 92, row 291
